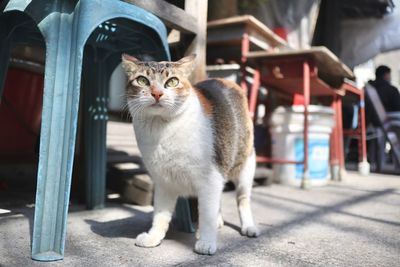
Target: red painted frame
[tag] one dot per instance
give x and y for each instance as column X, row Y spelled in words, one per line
column 361, row 129
column 309, row 77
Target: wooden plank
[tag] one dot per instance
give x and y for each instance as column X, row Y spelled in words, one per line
column 232, row 34
column 325, row 60
column 252, row 23
column 172, row 16
column 198, row 9
column 259, row 40
column 293, row 85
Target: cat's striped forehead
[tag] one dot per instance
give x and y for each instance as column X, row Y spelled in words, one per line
column 154, row 68
column 133, row 67
column 157, row 66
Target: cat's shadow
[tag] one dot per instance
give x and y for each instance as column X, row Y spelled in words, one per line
column 138, row 223
column 233, row 226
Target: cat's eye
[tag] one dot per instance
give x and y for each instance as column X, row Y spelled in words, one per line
column 173, row 82
column 142, row 81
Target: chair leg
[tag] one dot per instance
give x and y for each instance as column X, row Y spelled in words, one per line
column 95, row 87
column 183, row 215
column 382, row 156
column 57, row 141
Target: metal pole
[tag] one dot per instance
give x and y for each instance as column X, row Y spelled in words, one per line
column 245, row 50
column 363, row 138
column 306, row 91
column 254, row 93
column 340, row 150
column 334, row 142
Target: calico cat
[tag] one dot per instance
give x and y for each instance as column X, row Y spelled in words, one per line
column 192, row 139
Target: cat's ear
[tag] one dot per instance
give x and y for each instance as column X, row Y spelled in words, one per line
column 186, row 65
column 129, row 64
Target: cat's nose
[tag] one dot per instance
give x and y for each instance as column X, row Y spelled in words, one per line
column 157, row 95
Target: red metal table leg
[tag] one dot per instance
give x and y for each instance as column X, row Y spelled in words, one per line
column 245, row 50
column 254, row 93
column 306, row 91
column 340, row 138
column 334, row 162
column 337, row 140
column 363, row 139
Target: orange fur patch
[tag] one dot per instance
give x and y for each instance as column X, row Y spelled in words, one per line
column 230, row 85
column 204, row 102
column 184, row 90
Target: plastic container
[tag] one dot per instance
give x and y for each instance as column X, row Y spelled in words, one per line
column 117, row 94
column 286, row 126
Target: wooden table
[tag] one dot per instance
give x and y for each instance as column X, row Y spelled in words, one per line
column 232, row 39
column 309, row 72
column 236, row 30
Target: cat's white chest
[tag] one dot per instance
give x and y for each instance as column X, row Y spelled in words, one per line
column 177, row 153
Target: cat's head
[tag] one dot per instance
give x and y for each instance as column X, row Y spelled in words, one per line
column 157, row 88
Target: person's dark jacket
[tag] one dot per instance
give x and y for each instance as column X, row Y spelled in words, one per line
column 389, row 96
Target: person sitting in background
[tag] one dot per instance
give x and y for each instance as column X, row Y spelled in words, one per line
column 388, row 94
column 390, row 98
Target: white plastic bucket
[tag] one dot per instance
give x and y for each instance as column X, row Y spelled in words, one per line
column 286, row 126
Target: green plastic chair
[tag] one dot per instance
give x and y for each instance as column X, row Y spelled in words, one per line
column 65, row 28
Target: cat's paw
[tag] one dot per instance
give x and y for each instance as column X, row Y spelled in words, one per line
column 250, row 231
column 146, row 240
column 197, row 234
column 205, row 247
column 220, row 221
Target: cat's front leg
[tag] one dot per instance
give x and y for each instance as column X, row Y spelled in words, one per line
column 209, row 197
column 164, row 204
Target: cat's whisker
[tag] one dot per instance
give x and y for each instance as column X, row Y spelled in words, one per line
column 132, row 109
column 123, row 95
column 125, row 106
column 135, row 110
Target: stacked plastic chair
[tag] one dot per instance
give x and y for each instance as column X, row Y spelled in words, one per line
column 95, row 32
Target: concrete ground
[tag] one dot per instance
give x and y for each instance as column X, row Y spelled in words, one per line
column 352, row 223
